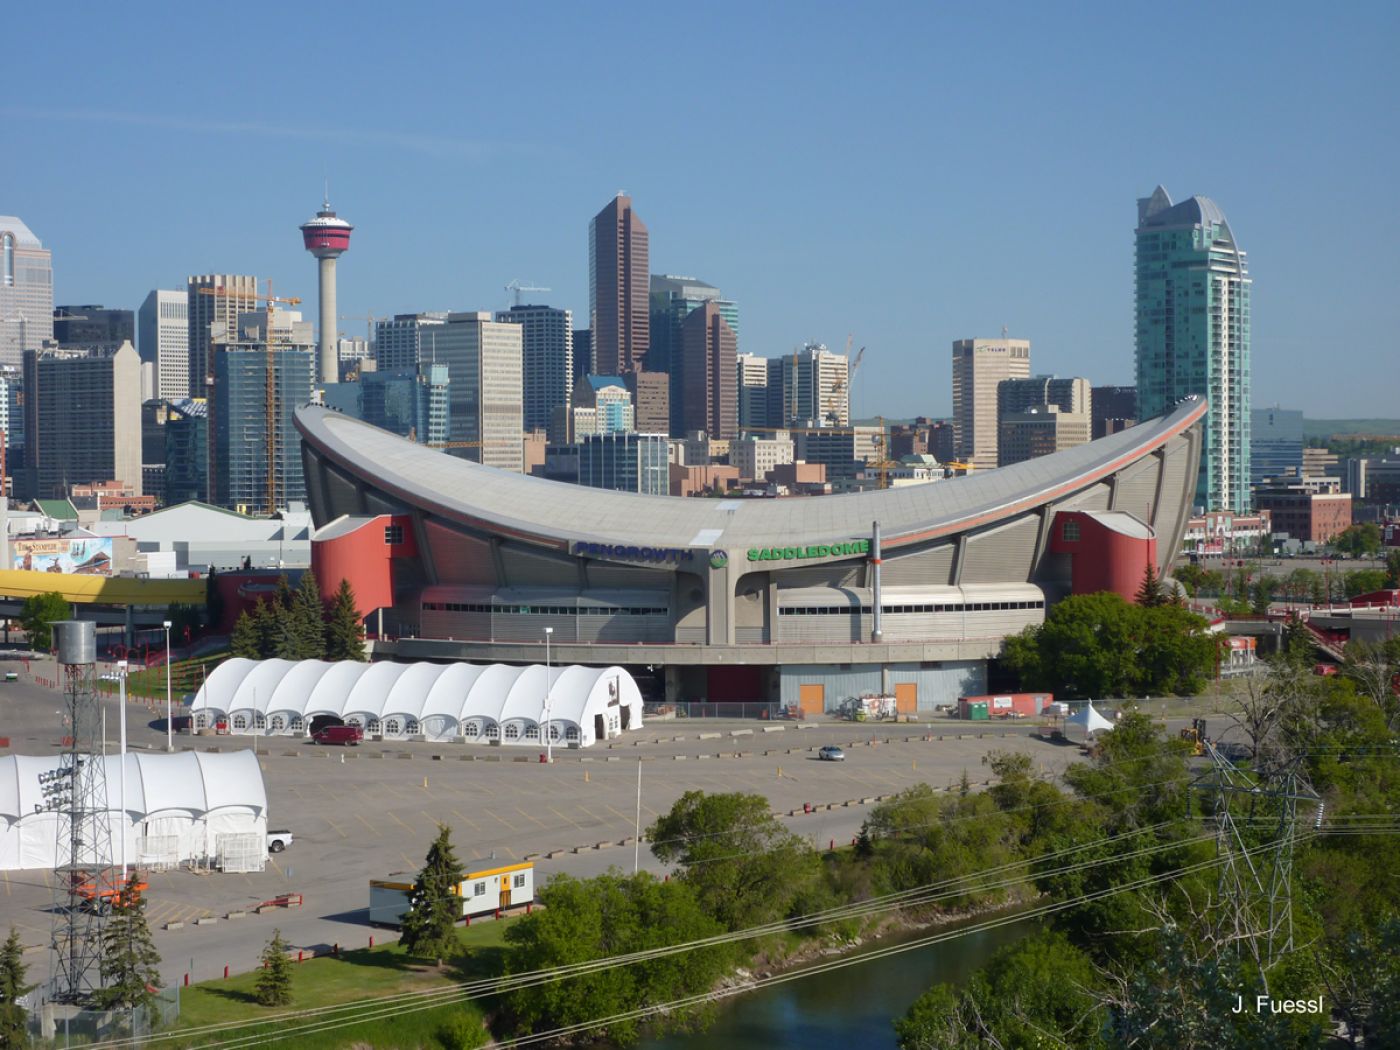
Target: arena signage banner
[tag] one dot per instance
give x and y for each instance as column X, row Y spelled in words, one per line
column 821, row 550
column 630, row 552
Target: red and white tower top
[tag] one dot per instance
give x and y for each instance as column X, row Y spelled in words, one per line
column 327, row 235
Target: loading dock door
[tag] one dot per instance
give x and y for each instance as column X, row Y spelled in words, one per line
column 906, row 697
column 812, row 698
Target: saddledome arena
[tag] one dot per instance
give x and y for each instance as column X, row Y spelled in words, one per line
column 803, row 601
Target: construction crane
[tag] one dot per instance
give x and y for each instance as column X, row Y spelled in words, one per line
column 271, row 300
column 833, row 412
column 369, row 320
column 515, row 287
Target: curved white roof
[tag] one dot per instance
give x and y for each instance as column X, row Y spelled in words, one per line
column 194, row 782
column 461, row 691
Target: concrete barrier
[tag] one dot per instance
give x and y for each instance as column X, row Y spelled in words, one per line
column 679, row 758
column 775, row 729
column 740, row 732
column 614, row 758
column 554, row 853
column 174, row 925
column 708, row 736
column 404, row 754
column 236, row 915
column 208, row 920
column 604, row 845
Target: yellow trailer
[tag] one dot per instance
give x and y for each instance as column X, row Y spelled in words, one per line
column 482, row 893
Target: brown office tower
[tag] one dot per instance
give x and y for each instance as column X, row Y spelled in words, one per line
column 619, row 283
column 651, row 401
column 709, row 374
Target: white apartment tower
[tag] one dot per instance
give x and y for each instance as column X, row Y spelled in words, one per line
column 163, row 341
column 484, row 360
column 978, row 366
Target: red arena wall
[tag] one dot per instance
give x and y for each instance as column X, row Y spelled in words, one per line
column 363, row 555
column 1103, row 558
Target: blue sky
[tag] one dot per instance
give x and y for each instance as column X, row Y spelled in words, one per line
column 909, row 174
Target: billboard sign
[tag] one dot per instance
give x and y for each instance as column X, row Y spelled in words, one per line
column 88, row 556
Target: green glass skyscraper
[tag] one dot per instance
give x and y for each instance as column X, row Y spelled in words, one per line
column 1193, row 334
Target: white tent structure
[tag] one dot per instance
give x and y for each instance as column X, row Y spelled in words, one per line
column 1088, row 719
column 490, row 703
column 180, row 807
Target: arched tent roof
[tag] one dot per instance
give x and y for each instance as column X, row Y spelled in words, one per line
column 190, row 781
column 1090, row 719
column 461, row 691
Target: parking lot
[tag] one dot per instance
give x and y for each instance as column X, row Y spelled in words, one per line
column 371, row 811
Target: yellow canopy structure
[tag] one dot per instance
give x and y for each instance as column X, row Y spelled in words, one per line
column 100, row 590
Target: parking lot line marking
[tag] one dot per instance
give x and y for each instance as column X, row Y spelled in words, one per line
column 339, row 830
column 395, row 817
column 361, row 818
column 466, row 820
column 530, row 816
column 497, row 818
column 562, row 816
column 7, row 884
column 626, row 820
column 507, row 849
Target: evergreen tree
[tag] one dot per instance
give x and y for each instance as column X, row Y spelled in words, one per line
column 274, row 984
column 246, row 640
column 1151, row 593
column 865, row 847
column 268, row 628
column 344, row 639
column 434, row 908
column 14, row 1031
column 213, row 599
column 130, row 964
column 306, row 620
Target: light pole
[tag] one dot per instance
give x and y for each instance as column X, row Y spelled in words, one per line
column 548, row 688
column 121, row 759
column 169, row 722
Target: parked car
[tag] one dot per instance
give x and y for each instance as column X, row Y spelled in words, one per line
column 346, row 736
column 277, row 841
column 831, row 753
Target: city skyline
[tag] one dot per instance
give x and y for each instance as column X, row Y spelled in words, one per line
column 854, row 212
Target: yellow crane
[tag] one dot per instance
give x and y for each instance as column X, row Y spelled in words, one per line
column 271, row 300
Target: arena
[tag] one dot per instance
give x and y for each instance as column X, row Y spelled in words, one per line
column 798, row 602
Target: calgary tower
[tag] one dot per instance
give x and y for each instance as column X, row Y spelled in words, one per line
column 325, row 237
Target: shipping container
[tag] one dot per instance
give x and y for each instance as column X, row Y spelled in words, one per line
column 482, row 893
column 1011, row 705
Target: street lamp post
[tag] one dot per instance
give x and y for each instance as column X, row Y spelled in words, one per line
column 169, row 721
column 121, row 761
column 548, row 689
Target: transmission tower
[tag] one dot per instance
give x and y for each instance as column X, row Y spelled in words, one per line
column 1256, row 820
column 77, row 791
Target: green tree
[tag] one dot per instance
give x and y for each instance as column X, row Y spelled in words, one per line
column 613, row 914
column 1363, row 581
column 14, row 1029
column 274, row 983
column 1359, row 541
column 186, row 620
column 37, row 616
column 1392, row 568
column 213, row 599
column 306, row 620
column 269, row 619
column 246, row 641
column 344, row 638
column 130, row 964
column 434, row 906
column 744, row 866
column 1151, row 592
column 1265, row 587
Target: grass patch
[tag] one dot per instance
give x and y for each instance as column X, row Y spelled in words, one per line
column 186, row 676
column 352, row 977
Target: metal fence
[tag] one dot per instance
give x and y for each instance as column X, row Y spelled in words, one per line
column 58, row 1025
column 759, row 709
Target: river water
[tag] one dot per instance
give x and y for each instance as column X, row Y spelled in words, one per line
column 852, row 1008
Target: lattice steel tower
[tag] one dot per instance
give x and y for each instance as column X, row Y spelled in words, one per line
column 77, row 791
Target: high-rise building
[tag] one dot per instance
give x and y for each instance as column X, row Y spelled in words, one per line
column 618, row 289
column 186, row 452
column 753, row 391
column 812, row 389
column 163, row 341
column 844, row 451
column 1276, row 440
column 82, row 419
column 93, row 327
column 485, row 388
column 1069, row 395
column 979, row 365
column 1193, row 324
column 1112, row 408
column 254, row 451
column 547, row 339
column 707, row 367
column 583, row 354
column 26, row 291
column 609, row 399
column 327, row 236
column 12, row 416
column 651, row 399
column 625, row 462
column 756, row 456
column 1039, row 430
column 213, row 298
column 409, row 404
column 673, row 298
column 404, row 341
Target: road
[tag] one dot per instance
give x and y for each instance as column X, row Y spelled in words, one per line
column 370, row 812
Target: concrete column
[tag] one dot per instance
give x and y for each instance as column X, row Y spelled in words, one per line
column 328, row 356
